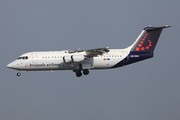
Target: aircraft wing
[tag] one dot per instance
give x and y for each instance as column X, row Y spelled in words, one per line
column 98, row 51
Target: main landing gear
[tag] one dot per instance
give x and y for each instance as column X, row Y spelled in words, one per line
column 86, row 72
column 79, row 74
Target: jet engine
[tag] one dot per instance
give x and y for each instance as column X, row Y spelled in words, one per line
column 73, row 58
column 77, row 58
column 67, row 59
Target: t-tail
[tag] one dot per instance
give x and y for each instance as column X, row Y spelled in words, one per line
column 147, row 40
column 143, row 47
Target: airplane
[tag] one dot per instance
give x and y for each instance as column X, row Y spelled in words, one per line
column 81, row 61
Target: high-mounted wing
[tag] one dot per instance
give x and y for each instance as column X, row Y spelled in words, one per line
column 98, row 51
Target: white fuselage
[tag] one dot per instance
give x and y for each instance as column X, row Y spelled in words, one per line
column 53, row 60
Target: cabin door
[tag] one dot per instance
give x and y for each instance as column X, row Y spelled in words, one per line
column 34, row 58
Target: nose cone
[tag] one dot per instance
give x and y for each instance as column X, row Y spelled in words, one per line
column 10, row 65
column 14, row 65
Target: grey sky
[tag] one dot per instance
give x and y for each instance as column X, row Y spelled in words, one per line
column 148, row 90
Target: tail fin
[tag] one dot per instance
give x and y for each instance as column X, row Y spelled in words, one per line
column 147, row 40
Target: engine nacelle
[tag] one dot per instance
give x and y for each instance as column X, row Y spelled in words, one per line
column 73, row 58
column 67, row 59
column 77, row 58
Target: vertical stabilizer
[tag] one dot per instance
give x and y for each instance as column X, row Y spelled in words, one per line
column 147, row 40
column 143, row 47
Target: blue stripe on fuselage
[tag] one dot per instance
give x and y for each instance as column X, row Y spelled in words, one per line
column 134, row 57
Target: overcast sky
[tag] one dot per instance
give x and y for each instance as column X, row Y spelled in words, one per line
column 147, row 90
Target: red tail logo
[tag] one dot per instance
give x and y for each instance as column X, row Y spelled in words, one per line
column 141, row 47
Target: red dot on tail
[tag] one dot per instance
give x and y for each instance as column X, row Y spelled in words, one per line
column 139, row 45
column 142, row 48
column 147, row 47
column 137, row 48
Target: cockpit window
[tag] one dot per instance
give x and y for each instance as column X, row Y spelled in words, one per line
column 19, row 58
column 23, row 57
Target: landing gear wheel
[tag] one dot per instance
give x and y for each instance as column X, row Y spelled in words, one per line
column 78, row 74
column 18, row 74
column 86, row 72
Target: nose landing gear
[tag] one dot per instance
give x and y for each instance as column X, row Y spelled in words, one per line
column 18, row 74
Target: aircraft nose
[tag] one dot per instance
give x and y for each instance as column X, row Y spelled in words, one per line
column 14, row 65
column 9, row 65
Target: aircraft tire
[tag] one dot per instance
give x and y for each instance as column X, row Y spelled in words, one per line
column 86, row 72
column 18, row 74
column 79, row 74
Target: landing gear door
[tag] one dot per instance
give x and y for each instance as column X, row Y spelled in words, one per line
column 34, row 58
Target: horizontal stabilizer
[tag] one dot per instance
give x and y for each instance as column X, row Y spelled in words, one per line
column 156, row 28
